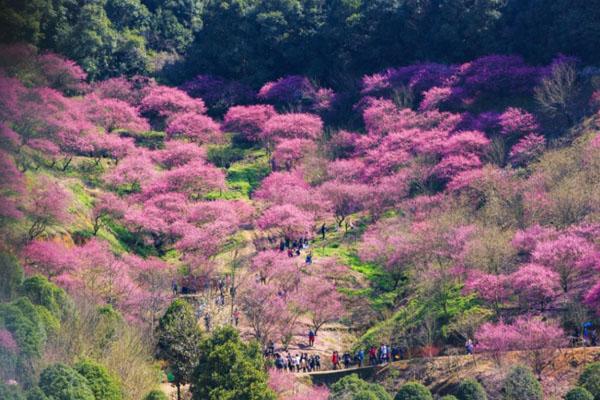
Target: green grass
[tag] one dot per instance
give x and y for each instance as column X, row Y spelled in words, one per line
column 245, row 176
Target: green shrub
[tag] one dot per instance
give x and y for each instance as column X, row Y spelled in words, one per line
column 23, row 321
column 413, row 391
column 579, row 393
column 590, row 379
column 60, row 382
column 36, row 394
column 470, row 389
column 224, row 155
column 351, row 387
column 104, row 385
column 42, row 292
column 12, row 276
column 151, row 139
column 521, row 384
column 156, row 395
column 245, row 378
column 449, row 397
column 10, row 392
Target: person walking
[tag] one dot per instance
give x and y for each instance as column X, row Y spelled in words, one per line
column 311, row 338
column 469, row 346
column 373, row 355
column 360, row 357
column 335, row 360
column 207, row 322
column 347, row 360
column 309, row 258
column 317, row 362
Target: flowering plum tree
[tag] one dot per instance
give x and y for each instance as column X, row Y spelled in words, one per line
column 346, row 198
column 290, row 126
column 195, row 127
column 535, row 285
column 248, row 121
column 451, row 166
column 46, row 204
column 163, row 102
column 218, row 93
column 47, row 257
column 538, row 338
column 177, row 153
column 195, row 179
column 289, row 221
column 264, row 310
column 112, row 114
column 288, row 153
column 107, row 205
column 297, row 92
column 489, row 287
column 563, row 255
column 62, row 74
column 321, row 300
column 277, row 268
column 132, row 172
column 527, row 149
column 515, row 121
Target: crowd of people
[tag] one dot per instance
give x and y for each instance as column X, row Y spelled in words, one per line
column 295, row 247
column 300, row 362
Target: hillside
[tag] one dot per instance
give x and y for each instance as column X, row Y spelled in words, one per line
column 153, row 233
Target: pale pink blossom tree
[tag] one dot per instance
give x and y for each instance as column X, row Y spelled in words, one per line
column 287, row 220
column 248, row 121
column 321, row 301
column 195, row 127
column 535, row 285
column 563, row 255
column 46, row 204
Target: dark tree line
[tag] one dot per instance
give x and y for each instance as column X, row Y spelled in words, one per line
column 329, row 40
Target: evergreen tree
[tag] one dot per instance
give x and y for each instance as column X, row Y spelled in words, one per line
column 590, row 379
column 178, row 342
column 60, row 382
column 413, row 391
column 470, row 389
column 351, row 387
column 520, row 384
column 12, row 276
column 230, row 369
column 104, row 385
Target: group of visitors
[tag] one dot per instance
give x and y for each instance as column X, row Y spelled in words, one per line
column 302, row 362
column 377, row 355
column 295, row 247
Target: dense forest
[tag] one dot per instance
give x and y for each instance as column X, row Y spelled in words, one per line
column 232, row 199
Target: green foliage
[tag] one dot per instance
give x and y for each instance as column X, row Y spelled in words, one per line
column 36, row 394
column 12, row 276
column 246, row 175
column 150, row 139
column 60, row 382
column 10, row 392
column 590, row 379
column 449, row 397
column 230, row 369
column 224, row 155
column 23, row 321
column 351, row 387
column 178, row 340
column 521, row 384
column 103, row 384
column 42, row 292
column 156, row 395
column 579, row 393
column 470, row 389
column 413, row 391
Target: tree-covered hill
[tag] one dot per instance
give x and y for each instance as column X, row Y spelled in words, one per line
column 376, row 184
